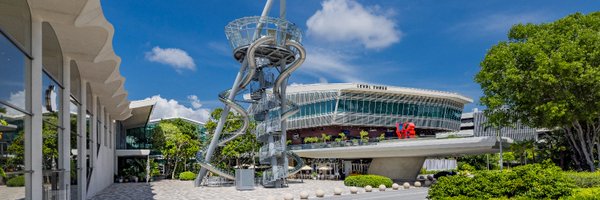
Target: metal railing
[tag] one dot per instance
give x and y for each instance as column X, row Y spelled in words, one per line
column 354, row 142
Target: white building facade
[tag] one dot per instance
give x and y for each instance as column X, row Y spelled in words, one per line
column 61, row 95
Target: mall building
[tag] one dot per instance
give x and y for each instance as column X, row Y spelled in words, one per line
column 350, row 108
column 62, row 98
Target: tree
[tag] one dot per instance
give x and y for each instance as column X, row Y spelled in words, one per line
column 174, row 145
column 548, row 76
column 234, row 152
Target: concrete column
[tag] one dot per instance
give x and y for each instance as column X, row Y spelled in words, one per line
column 81, row 144
column 101, row 117
column 347, row 167
column 94, row 124
column 65, row 142
column 403, row 169
column 33, row 136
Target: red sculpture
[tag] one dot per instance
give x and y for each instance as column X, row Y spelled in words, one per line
column 406, row 131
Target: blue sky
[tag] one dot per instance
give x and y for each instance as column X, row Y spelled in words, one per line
column 178, row 50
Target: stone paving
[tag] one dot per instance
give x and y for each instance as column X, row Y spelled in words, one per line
column 12, row 192
column 175, row 189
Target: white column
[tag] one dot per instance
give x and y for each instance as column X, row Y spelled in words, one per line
column 102, row 118
column 33, row 136
column 81, row 144
column 106, row 130
column 94, row 124
column 65, row 142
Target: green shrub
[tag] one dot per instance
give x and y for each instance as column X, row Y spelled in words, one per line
column 585, row 179
column 18, row 181
column 466, row 167
column 534, row 181
column 364, row 180
column 2, row 174
column 187, row 176
column 584, row 194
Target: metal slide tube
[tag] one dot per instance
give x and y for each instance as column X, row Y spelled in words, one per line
column 263, row 16
column 219, row 129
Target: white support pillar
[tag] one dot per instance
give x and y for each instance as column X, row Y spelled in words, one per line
column 81, row 144
column 106, row 130
column 64, row 148
column 101, row 117
column 33, row 136
column 94, row 124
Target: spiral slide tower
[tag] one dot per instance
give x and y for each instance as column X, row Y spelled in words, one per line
column 269, row 50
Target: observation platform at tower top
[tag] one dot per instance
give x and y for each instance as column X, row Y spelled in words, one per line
column 417, row 147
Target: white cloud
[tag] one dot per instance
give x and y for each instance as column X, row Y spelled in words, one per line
column 176, row 58
column 322, row 63
column 17, row 99
column 349, row 21
column 194, row 101
column 500, row 23
column 166, row 108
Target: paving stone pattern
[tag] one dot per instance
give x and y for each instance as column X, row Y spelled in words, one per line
column 175, row 189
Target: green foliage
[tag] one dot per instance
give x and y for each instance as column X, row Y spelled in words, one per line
column 309, row 140
column 238, row 151
column 584, row 194
column 343, row 136
column 535, row 181
column 2, row 174
column 548, row 76
column 466, row 167
column 187, row 176
column 17, row 181
column 176, row 146
column 480, row 161
column 541, row 74
column 364, row 136
column 237, row 148
column 364, row 180
column 3, row 123
column 154, row 170
column 381, row 137
column 325, row 137
column 585, row 179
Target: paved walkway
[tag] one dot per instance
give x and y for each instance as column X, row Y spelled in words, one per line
column 175, row 189
column 12, row 192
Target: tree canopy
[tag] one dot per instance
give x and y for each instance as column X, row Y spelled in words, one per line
column 548, row 76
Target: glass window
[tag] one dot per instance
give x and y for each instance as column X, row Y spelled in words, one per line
column 341, row 105
column 13, row 65
column 75, row 81
column 15, row 19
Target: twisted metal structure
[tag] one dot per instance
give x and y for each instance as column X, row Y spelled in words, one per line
column 266, row 47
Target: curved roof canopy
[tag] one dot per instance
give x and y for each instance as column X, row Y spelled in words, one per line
column 368, row 88
column 86, row 37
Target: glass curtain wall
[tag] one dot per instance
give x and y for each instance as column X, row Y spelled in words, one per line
column 52, row 126
column 75, row 110
column 15, row 64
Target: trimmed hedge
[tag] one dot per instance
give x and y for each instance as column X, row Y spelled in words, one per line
column 364, row 180
column 187, row 176
column 18, row 181
column 534, row 181
column 585, row 194
column 585, row 179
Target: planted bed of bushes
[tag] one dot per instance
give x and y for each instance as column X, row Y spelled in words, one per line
column 536, row 181
column 187, row 176
column 585, row 179
column 584, row 194
column 364, row 180
column 17, row 181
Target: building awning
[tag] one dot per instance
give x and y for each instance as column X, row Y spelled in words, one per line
column 140, row 113
column 132, row 152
